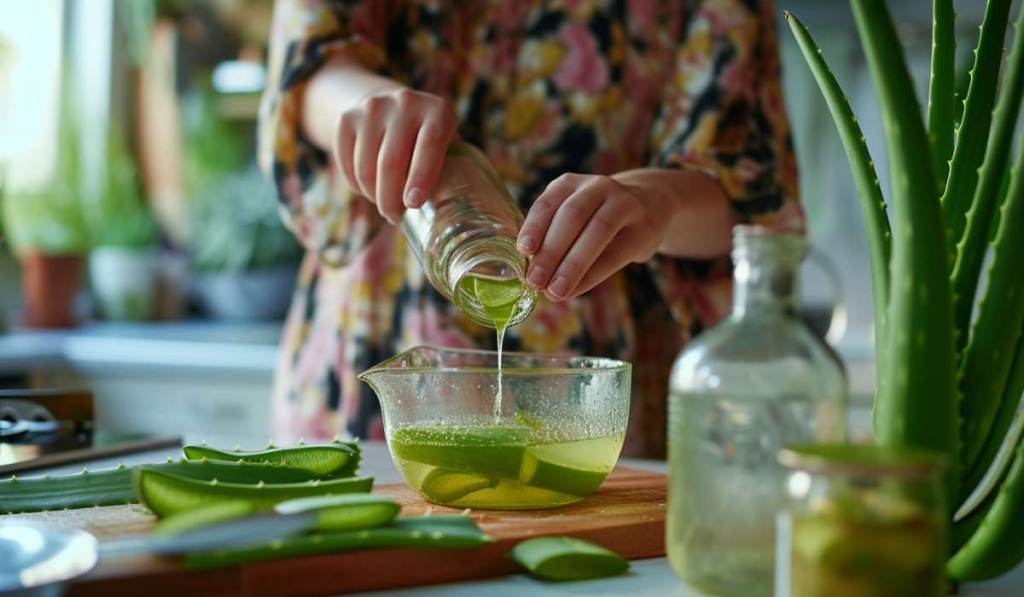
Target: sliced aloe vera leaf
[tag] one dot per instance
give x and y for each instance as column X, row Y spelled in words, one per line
column 344, row 512
column 553, row 469
column 567, row 558
column 451, row 531
column 321, row 459
column 195, row 518
column 445, row 487
column 486, row 451
column 166, row 493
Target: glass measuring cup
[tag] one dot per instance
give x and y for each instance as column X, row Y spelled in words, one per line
column 554, row 439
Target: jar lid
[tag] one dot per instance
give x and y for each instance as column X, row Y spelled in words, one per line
column 860, row 459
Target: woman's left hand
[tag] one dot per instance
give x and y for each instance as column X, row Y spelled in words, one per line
column 583, row 228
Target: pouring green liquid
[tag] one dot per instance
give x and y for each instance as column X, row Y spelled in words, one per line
column 501, row 301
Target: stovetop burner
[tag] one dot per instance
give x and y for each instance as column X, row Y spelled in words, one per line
column 10, row 430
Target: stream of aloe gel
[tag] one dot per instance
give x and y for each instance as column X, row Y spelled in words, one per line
column 500, row 300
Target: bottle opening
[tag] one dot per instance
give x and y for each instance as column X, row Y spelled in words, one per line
column 494, row 295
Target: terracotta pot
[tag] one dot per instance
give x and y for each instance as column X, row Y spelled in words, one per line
column 49, row 286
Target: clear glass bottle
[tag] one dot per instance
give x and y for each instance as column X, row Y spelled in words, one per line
column 861, row 521
column 739, row 392
column 466, row 232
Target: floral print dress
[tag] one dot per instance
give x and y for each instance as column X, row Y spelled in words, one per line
column 543, row 87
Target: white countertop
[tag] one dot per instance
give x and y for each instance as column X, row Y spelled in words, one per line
column 198, row 346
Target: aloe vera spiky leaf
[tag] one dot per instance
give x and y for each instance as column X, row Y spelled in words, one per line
column 989, row 356
column 111, row 487
column 972, row 248
column 451, row 531
column 995, row 547
column 917, row 404
column 1004, row 190
column 972, row 135
column 872, row 202
column 1001, row 425
column 318, row 459
column 941, row 89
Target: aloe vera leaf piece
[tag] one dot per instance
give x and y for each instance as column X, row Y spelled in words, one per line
column 1001, row 424
column 320, row 459
column 81, row 490
column 195, row 518
column 989, row 358
column 344, row 512
column 916, row 404
column 872, row 202
column 995, row 547
column 166, row 493
column 972, row 248
column 110, row 487
column 451, row 531
column 567, row 558
column 941, row 89
column 972, row 135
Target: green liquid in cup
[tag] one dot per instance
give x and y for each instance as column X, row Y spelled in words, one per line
column 501, row 467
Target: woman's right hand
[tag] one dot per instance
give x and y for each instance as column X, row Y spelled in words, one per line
column 390, row 147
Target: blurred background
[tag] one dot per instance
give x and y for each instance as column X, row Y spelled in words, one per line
column 127, row 149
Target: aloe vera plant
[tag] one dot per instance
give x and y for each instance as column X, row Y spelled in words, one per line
column 946, row 383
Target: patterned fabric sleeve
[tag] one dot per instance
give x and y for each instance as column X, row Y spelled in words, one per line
column 722, row 110
column 722, row 113
column 326, row 216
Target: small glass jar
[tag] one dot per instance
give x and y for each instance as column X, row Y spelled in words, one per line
column 467, row 232
column 759, row 380
column 861, row 521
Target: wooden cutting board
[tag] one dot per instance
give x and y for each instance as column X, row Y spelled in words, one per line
column 627, row 514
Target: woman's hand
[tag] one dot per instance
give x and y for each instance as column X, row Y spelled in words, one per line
column 584, row 228
column 390, row 147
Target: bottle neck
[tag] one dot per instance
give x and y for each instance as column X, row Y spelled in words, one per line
column 766, row 274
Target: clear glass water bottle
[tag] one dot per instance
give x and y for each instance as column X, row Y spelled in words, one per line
column 757, row 381
column 464, row 237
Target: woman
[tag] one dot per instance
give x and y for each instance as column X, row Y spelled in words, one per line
column 634, row 134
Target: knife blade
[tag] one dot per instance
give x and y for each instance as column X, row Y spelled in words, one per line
column 257, row 528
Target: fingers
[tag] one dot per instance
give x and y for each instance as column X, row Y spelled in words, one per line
column 542, row 212
column 592, row 243
column 393, row 166
column 586, row 228
column 369, row 136
column 432, row 139
column 568, row 221
column 615, row 256
column 390, row 148
column 344, row 148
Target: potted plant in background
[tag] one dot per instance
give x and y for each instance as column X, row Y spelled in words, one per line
column 123, row 262
column 45, row 229
column 243, row 258
column 947, row 382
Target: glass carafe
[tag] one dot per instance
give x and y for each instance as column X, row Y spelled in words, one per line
column 466, row 232
column 757, row 381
